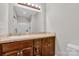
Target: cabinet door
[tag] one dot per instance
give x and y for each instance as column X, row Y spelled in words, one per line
column 48, row 46
column 27, row 52
column 51, row 46
column 12, row 53
column 44, row 47
column 37, row 47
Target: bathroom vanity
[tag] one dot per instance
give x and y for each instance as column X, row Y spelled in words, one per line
column 42, row 44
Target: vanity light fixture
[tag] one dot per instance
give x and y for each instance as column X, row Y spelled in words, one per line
column 30, row 5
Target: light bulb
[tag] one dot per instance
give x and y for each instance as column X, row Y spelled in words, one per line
column 39, row 7
column 32, row 4
column 28, row 4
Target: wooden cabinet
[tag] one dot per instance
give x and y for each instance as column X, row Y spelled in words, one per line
column 27, row 51
column 20, row 48
column 44, row 47
column 27, row 48
column 12, row 46
column 12, row 53
column 24, row 52
column 48, row 46
column 35, row 47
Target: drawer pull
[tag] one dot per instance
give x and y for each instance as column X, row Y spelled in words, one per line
column 21, row 53
column 18, row 54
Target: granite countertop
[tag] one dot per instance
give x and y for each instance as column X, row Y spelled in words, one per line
column 11, row 37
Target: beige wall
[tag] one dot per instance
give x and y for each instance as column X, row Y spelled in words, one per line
column 38, row 21
column 64, row 20
column 3, row 17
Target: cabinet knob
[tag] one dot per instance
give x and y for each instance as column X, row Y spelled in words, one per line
column 18, row 54
column 21, row 53
column 37, row 50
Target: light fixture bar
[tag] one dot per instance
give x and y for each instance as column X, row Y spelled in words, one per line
column 30, row 5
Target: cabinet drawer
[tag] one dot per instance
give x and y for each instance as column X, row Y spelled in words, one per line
column 10, row 46
column 26, row 43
